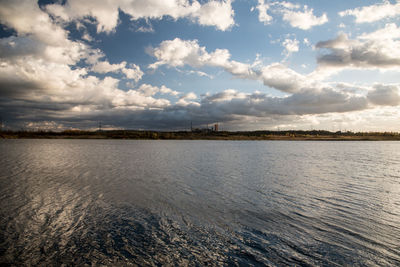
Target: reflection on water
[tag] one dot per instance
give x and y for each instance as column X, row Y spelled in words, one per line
column 199, row 202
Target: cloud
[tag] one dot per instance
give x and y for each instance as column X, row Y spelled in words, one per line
column 106, row 13
column 216, row 13
column 28, row 19
column 40, row 62
column 148, row 28
column 230, row 114
column 33, row 45
column 149, row 90
column 186, row 100
column 71, row 97
column 389, row 32
column 287, row 5
column 73, row 89
column 39, row 71
column 284, row 79
column 71, row 86
column 231, row 105
column 47, row 80
column 379, row 49
column 41, row 81
column 178, row 53
column 14, row 47
column 105, row 67
column 304, row 20
column 133, row 72
column 37, row 37
column 262, row 8
column 200, row 73
column 226, row 95
column 307, row 96
column 373, row 13
column 145, row 26
column 168, row 91
column 291, row 46
column 385, row 95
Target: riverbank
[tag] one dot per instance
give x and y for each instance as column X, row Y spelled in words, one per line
column 314, row 135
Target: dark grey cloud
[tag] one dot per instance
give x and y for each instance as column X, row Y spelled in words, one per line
column 385, row 95
column 17, row 88
column 306, row 102
column 223, row 107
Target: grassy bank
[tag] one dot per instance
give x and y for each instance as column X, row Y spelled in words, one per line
column 203, row 135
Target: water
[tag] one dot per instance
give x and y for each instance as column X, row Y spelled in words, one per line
column 118, row 202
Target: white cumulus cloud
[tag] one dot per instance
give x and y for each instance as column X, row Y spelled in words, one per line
column 290, row 12
column 178, row 52
column 133, row 72
column 373, row 13
column 304, row 20
column 39, row 69
column 291, row 46
column 105, row 67
column 263, row 15
column 106, row 13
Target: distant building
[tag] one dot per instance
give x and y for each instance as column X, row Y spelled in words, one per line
column 216, row 127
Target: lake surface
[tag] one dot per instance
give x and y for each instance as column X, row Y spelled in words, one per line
column 120, row 202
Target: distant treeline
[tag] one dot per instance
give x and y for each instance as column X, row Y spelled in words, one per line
column 204, row 135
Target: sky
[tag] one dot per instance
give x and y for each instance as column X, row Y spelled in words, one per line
column 167, row 64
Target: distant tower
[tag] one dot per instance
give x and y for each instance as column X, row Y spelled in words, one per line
column 191, row 126
column 99, row 126
column 216, row 127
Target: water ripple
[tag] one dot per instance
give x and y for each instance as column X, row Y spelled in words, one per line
column 151, row 203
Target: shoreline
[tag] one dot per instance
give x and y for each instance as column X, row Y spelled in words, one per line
column 223, row 136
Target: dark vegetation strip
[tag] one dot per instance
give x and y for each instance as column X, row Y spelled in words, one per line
column 204, row 135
